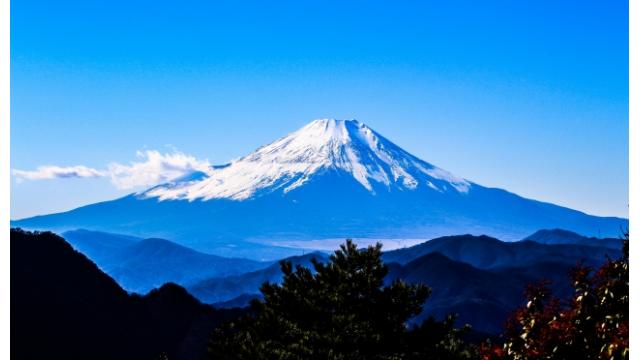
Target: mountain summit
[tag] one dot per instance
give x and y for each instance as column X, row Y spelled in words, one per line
column 327, row 181
column 322, row 146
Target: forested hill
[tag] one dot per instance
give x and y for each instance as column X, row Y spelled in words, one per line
column 64, row 307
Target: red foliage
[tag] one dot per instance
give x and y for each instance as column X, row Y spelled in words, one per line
column 594, row 325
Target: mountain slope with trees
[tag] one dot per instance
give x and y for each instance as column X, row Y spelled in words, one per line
column 64, row 307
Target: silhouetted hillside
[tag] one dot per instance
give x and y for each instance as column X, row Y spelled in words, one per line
column 64, row 307
column 482, row 298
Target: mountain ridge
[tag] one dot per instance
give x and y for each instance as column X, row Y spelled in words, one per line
column 142, row 265
column 560, row 236
column 328, row 180
column 485, row 252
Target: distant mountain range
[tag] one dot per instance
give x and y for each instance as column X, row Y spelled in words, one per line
column 233, row 289
column 331, row 179
column 140, row 265
column 485, row 252
column 559, row 236
column 478, row 277
column 483, row 279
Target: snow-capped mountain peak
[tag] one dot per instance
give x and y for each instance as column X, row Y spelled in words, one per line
column 329, row 180
column 320, row 147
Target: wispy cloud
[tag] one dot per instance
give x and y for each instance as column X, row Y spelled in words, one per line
column 155, row 168
column 152, row 168
column 57, row 172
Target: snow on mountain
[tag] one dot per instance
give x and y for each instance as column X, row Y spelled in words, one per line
column 330, row 180
column 323, row 145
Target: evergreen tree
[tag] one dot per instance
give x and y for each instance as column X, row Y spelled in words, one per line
column 340, row 310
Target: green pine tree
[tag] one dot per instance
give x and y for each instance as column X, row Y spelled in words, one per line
column 341, row 310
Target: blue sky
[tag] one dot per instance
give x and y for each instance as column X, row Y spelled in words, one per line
column 527, row 96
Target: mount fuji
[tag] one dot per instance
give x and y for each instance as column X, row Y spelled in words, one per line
column 327, row 181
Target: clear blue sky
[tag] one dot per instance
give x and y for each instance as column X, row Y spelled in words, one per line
column 530, row 96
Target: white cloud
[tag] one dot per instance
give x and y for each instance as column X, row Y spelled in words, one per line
column 57, row 172
column 152, row 169
column 155, row 168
